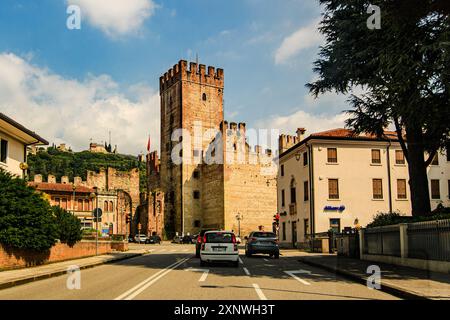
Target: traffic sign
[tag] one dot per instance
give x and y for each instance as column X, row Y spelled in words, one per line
column 97, row 213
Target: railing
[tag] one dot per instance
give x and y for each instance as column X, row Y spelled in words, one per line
column 429, row 240
column 382, row 241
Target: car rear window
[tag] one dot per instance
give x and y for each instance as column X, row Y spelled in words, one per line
column 264, row 235
column 219, row 237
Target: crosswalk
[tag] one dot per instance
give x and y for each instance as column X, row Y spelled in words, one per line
column 170, row 251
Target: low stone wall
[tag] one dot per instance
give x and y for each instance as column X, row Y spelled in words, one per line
column 14, row 258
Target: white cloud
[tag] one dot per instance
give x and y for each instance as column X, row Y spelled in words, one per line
column 304, row 38
column 116, row 17
column 72, row 111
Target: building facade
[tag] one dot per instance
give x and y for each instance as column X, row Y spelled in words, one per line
column 15, row 140
column 335, row 179
column 208, row 194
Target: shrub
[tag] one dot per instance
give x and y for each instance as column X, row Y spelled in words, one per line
column 386, row 219
column 69, row 226
column 26, row 219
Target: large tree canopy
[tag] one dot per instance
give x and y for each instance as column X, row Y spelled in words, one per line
column 404, row 68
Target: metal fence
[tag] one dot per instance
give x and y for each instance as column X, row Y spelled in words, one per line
column 429, row 240
column 382, row 241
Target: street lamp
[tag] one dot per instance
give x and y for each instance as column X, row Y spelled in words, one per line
column 73, row 199
column 298, row 155
column 94, row 195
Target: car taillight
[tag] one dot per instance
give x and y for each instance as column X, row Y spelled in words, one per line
column 233, row 239
column 252, row 239
column 204, row 238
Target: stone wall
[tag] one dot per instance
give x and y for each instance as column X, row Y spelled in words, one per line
column 15, row 258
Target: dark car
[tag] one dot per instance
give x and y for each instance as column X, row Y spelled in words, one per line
column 154, row 240
column 262, row 242
column 198, row 243
column 186, row 240
column 130, row 238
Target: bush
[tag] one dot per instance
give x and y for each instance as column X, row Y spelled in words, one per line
column 386, row 219
column 26, row 219
column 69, row 226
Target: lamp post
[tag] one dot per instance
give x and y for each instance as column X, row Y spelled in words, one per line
column 92, row 196
column 239, row 218
column 73, row 199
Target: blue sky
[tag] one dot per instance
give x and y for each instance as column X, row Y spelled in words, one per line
column 74, row 85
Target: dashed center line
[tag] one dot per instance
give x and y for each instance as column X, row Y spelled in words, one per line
column 247, row 272
column 259, row 292
column 240, row 260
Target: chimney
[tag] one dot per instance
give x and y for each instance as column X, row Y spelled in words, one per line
column 300, row 134
column 65, row 180
column 38, row 178
column 51, row 178
column 77, row 181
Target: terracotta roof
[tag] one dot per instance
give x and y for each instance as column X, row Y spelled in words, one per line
column 346, row 133
column 61, row 187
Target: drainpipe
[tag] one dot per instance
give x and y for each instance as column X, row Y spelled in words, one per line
column 311, row 192
column 389, row 175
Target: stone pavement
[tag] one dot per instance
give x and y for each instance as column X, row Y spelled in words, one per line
column 16, row 277
column 401, row 281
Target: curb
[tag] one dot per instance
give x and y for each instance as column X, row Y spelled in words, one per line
column 18, row 282
column 385, row 287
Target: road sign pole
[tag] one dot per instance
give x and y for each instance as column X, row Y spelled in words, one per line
column 96, row 226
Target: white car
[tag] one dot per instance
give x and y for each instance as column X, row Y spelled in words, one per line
column 219, row 246
column 140, row 238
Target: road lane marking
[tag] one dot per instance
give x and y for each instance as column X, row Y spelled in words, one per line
column 259, row 292
column 240, row 260
column 266, row 260
column 136, row 290
column 204, row 275
column 246, row 271
column 293, row 275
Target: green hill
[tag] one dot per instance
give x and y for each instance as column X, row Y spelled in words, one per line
column 73, row 164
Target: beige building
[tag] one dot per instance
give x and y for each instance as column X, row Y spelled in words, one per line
column 334, row 179
column 15, row 140
column 199, row 194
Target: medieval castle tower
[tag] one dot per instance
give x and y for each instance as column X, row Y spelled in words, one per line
column 200, row 193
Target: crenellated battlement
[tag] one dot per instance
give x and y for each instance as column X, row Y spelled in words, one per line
column 195, row 73
column 233, row 126
column 286, row 141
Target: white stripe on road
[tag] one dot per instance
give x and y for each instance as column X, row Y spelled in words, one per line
column 292, row 274
column 136, row 290
column 204, row 275
column 247, row 272
column 240, row 260
column 259, row 292
column 266, row 260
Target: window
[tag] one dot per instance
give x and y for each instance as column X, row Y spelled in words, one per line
column 196, row 174
column 448, row 151
column 204, row 97
column 283, row 231
column 283, row 203
column 80, row 205
column 435, row 161
column 293, row 195
column 306, row 226
column 306, row 191
column 376, row 156
column 377, row 186
column 3, row 151
column 332, row 155
column 197, row 224
column 105, row 206
column 401, row 189
column 111, row 206
column 305, row 158
column 399, row 157
column 333, row 188
column 196, row 153
column 64, row 203
column 196, row 194
column 57, row 202
column 282, row 170
column 435, row 190
column 448, row 188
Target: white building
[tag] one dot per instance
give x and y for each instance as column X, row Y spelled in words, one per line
column 334, row 179
column 14, row 140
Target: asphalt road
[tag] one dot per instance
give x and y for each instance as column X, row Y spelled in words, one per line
column 171, row 272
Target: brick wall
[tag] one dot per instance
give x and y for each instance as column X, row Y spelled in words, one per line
column 15, row 258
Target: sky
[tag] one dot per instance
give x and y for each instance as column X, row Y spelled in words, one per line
column 74, row 85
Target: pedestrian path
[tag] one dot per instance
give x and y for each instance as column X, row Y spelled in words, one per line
column 408, row 282
column 15, row 277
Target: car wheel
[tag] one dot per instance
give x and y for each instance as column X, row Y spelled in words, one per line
column 236, row 264
column 202, row 263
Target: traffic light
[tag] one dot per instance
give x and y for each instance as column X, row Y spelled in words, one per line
column 276, row 219
column 128, row 218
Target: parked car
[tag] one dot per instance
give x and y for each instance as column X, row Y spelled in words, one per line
column 219, row 246
column 199, row 240
column 154, row 240
column 186, row 240
column 262, row 242
column 130, row 238
column 140, row 238
column 177, row 239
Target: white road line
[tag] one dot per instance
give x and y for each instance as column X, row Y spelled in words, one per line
column 136, row 290
column 246, row 271
column 266, row 260
column 204, row 275
column 292, row 274
column 259, row 292
column 240, row 260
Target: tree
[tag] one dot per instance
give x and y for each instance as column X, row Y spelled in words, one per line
column 69, row 226
column 26, row 219
column 404, row 68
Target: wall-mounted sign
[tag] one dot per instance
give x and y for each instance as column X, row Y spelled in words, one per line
column 332, row 208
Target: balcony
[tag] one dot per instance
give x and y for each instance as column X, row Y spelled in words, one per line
column 293, row 209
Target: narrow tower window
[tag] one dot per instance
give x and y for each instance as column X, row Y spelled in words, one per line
column 204, row 97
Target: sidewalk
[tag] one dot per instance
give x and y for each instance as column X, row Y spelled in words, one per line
column 401, row 281
column 11, row 278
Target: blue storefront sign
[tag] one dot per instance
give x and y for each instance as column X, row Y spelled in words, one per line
column 333, row 208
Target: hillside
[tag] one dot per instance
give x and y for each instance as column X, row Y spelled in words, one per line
column 59, row 163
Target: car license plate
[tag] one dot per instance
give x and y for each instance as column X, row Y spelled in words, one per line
column 219, row 249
